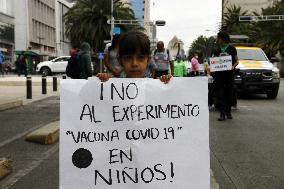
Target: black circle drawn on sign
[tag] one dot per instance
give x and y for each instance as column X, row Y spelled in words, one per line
column 82, row 158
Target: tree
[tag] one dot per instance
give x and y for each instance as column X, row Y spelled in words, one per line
column 231, row 23
column 86, row 21
column 270, row 35
column 199, row 46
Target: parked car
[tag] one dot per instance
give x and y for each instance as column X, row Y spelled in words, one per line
column 56, row 65
column 256, row 74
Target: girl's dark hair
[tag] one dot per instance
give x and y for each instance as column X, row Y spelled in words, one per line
column 134, row 42
column 224, row 36
column 114, row 42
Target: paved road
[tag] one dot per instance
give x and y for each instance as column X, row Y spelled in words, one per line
column 34, row 165
column 246, row 152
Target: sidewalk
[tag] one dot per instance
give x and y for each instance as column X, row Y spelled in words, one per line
column 13, row 90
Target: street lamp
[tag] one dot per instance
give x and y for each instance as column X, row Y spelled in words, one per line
column 112, row 20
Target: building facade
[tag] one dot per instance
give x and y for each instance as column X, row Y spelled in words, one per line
column 62, row 42
column 7, row 29
column 141, row 10
column 35, row 26
column 249, row 5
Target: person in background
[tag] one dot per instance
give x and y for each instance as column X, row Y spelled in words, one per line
column 111, row 58
column 85, row 61
column 195, row 65
column 134, row 56
column 22, row 65
column 188, row 66
column 151, row 70
column 180, row 69
column 224, row 80
column 162, row 58
column 2, row 63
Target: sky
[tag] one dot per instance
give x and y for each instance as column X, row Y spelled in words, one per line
column 187, row 19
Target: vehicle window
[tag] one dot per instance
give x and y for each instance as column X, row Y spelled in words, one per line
column 65, row 59
column 59, row 60
column 251, row 54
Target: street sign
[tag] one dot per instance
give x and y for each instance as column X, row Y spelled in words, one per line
column 116, row 31
column 100, row 55
column 222, row 63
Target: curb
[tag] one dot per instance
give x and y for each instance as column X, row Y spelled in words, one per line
column 5, row 167
column 11, row 104
column 47, row 134
column 213, row 183
column 22, row 83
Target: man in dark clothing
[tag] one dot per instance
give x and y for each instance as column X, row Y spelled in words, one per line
column 85, row 61
column 224, row 80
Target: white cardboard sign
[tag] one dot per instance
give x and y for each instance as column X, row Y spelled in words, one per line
column 222, row 63
column 134, row 133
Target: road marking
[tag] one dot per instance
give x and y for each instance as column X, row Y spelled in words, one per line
column 20, row 135
column 34, row 164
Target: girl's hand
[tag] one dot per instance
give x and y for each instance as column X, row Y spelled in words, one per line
column 104, row 76
column 165, row 78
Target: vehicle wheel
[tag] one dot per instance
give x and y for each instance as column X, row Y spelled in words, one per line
column 272, row 94
column 45, row 71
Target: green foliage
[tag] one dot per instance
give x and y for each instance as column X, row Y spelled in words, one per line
column 269, row 35
column 198, row 46
column 86, row 21
column 231, row 23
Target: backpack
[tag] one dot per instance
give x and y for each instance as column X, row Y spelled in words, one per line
column 168, row 52
column 73, row 69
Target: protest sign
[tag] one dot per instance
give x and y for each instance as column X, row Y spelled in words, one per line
column 134, row 133
column 221, row 63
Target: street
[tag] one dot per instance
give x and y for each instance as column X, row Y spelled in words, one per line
column 246, row 152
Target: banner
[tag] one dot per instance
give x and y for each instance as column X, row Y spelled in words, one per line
column 134, row 133
column 222, row 63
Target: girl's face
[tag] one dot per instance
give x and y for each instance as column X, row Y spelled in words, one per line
column 134, row 65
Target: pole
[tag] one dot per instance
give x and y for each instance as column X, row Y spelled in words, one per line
column 43, row 87
column 29, row 87
column 101, row 66
column 112, row 19
column 54, row 83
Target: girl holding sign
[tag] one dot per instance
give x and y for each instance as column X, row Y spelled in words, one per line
column 134, row 55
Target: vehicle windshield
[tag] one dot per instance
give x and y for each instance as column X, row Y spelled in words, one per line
column 251, row 54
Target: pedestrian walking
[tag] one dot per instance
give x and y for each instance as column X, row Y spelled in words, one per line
column 2, row 58
column 22, row 65
column 111, row 58
column 180, row 69
column 224, row 80
column 162, row 58
column 195, row 65
column 85, row 61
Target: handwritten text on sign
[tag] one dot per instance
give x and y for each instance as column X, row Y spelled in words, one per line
column 128, row 133
column 221, row 63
